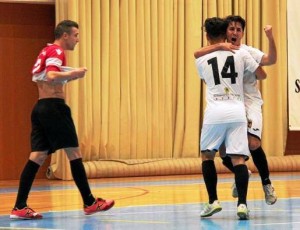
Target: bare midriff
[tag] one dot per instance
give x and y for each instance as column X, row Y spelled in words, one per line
column 50, row 89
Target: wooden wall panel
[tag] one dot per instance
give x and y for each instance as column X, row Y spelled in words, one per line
column 293, row 143
column 24, row 30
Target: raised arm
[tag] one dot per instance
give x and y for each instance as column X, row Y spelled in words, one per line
column 271, row 57
column 211, row 48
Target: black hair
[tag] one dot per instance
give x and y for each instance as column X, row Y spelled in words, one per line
column 236, row 18
column 64, row 26
column 215, row 27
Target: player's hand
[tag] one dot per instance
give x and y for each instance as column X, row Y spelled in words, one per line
column 268, row 31
column 227, row 46
column 79, row 73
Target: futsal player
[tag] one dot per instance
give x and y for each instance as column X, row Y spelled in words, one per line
column 252, row 97
column 224, row 117
column 52, row 124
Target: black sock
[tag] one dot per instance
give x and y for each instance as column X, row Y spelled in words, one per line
column 80, row 178
column 261, row 163
column 210, row 178
column 26, row 180
column 228, row 163
column 241, row 181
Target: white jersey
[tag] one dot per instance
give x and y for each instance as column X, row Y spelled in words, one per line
column 252, row 94
column 223, row 73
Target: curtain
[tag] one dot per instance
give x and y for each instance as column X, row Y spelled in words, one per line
column 142, row 97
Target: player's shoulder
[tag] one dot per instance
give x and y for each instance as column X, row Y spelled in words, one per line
column 250, row 49
column 241, row 52
column 54, row 49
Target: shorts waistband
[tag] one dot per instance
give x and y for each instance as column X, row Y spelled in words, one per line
column 58, row 100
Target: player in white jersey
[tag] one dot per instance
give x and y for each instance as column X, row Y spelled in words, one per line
column 253, row 99
column 224, row 117
column 52, row 124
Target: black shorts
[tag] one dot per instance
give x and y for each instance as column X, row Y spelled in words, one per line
column 52, row 126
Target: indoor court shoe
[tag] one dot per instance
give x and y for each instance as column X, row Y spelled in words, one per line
column 210, row 209
column 25, row 214
column 243, row 212
column 270, row 194
column 234, row 190
column 99, row 205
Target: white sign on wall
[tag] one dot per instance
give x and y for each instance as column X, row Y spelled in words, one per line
column 293, row 31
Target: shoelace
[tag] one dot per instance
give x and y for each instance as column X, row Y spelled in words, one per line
column 207, row 207
column 30, row 212
column 269, row 189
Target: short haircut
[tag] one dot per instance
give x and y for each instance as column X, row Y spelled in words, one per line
column 64, row 26
column 215, row 27
column 236, row 18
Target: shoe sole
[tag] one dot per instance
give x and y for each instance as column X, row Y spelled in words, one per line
column 243, row 216
column 212, row 213
column 271, row 203
column 103, row 210
column 22, row 218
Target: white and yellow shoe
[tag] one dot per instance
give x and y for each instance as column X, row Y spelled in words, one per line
column 210, row 209
column 243, row 212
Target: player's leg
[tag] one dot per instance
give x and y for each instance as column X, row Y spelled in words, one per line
column 39, row 152
column 261, row 163
column 259, row 159
column 21, row 209
column 91, row 204
column 226, row 160
column 210, row 179
column 210, row 175
column 79, row 175
column 211, row 138
column 241, row 181
column 258, row 155
column 237, row 148
column 62, row 134
column 241, row 177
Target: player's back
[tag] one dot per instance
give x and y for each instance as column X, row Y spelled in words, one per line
column 223, row 73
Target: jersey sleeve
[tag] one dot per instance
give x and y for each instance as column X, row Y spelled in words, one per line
column 255, row 53
column 55, row 60
column 250, row 63
column 51, row 58
column 198, row 63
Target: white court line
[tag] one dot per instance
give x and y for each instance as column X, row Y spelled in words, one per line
column 277, row 223
column 24, row 228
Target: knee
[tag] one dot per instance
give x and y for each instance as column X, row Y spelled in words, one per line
column 38, row 157
column 222, row 151
column 73, row 153
column 205, row 156
column 254, row 143
column 237, row 160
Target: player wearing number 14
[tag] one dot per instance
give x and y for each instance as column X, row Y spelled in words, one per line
column 225, row 117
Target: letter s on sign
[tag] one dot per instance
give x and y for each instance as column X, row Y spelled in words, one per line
column 297, row 84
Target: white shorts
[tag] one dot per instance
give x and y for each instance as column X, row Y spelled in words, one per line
column 254, row 118
column 233, row 134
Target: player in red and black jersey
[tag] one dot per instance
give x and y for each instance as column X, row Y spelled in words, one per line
column 52, row 124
